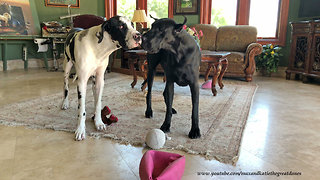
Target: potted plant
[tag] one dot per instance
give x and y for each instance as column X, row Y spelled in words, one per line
column 268, row 61
column 194, row 33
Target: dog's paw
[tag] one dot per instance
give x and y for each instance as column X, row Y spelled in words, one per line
column 80, row 133
column 194, row 133
column 174, row 111
column 65, row 104
column 165, row 128
column 148, row 114
column 100, row 126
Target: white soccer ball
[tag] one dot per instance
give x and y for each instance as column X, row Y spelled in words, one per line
column 155, row 139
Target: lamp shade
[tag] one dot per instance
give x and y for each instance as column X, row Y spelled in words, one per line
column 139, row 16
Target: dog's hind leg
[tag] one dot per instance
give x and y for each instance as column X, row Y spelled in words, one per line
column 168, row 98
column 99, row 84
column 93, row 78
column 82, row 87
column 68, row 66
column 195, row 131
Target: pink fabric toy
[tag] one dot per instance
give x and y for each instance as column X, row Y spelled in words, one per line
column 158, row 165
column 207, row 84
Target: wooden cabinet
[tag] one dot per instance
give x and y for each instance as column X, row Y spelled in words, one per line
column 314, row 67
column 305, row 50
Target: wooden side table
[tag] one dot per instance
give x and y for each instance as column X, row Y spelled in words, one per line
column 137, row 57
column 218, row 62
column 5, row 41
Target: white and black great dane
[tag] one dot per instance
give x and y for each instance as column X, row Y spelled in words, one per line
column 88, row 50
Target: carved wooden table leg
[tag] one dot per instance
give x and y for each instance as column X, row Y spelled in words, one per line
column 131, row 64
column 206, row 75
column 216, row 72
column 224, row 63
column 144, row 72
column 137, row 57
column 218, row 61
column 288, row 75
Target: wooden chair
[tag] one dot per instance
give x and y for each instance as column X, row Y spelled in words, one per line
column 86, row 21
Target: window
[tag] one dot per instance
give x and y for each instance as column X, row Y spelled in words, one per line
column 223, row 12
column 269, row 16
column 264, row 16
column 157, row 9
column 164, row 6
column 126, row 8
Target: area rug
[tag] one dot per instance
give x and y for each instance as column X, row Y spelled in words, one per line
column 222, row 118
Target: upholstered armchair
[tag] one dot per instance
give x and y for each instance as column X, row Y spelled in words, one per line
column 239, row 40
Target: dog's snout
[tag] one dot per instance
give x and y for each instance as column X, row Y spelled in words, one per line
column 137, row 36
column 144, row 38
column 144, row 42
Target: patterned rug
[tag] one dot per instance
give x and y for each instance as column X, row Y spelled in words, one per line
column 222, row 118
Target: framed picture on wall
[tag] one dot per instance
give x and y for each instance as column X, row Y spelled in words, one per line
column 63, row 3
column 185, row 6
column 16, row 18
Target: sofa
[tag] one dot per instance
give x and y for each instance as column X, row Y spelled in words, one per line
column 239, row 40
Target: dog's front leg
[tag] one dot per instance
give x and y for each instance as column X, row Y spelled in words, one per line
column 195, row 131
column 93, row 79
column 153, row 61
column 150, row 77
column 99, row 84
column 168, row 98
column 81, row 129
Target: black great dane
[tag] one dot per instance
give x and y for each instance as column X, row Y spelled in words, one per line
column 171, row 46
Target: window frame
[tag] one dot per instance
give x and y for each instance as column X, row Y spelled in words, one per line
column 243, row 12
column 111, row 7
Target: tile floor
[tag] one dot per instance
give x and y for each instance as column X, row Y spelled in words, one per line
column 282, row 134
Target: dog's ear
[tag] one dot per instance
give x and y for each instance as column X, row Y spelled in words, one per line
column 104, row 27
column 178, row 27
column 154, row 18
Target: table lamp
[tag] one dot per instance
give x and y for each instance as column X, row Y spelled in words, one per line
column 139, row 16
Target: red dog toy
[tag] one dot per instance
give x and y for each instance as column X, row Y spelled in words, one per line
column 104, row 112
column 110, row 120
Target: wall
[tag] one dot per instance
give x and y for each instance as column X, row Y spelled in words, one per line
column 44, row 13
column 14, row 51
column 292, row 17
column 97, row 7
column 48, row 13
column 191, row 19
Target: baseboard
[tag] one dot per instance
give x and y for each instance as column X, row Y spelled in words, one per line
column 32, row 63
column 280, row 73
